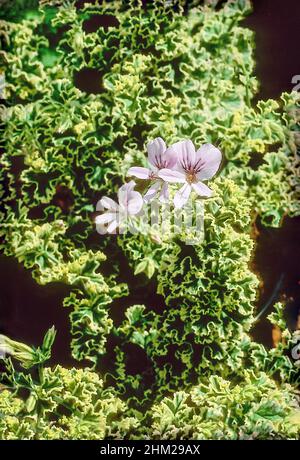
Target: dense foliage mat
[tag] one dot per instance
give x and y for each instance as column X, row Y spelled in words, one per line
column 164, row 326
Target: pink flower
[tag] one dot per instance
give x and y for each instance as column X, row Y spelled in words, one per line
column 130, row 204
column 159, row 157
column 193, row 167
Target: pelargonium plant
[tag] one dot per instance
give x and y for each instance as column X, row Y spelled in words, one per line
column 157, row 327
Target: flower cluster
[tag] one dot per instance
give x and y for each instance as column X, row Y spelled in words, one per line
column 180, row 163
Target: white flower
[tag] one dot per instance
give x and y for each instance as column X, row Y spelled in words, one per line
column 130, row 204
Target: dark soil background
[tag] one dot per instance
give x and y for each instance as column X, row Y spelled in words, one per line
column 276, row 24
column 27, row 310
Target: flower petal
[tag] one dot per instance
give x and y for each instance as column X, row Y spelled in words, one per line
column 101, row 229
column 155, row 149
column 182, row 196
column 202, row 189
column 105, row 218
column 170, row 157
column 123, row 193
column 164, row 193
column 170, row 175
column 140, row 172
column 152, row 191
column 108, row 203
column 112, row 226
column 135, row 203
column 209, row 159
column 186, row 154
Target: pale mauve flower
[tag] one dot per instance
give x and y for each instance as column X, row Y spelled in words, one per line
column 159, row 157
column 192, row 168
